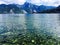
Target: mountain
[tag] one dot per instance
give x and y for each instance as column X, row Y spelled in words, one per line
column 7, row 8
column 31, row 8
column 42, row 7
column 25, row 8
column 54, row 10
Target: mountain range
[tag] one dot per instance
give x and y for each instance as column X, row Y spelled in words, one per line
column 25, row 8
column 54, row 10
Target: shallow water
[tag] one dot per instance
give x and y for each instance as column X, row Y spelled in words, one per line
column 22, row 24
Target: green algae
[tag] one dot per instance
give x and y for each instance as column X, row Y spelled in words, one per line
column 30, row 39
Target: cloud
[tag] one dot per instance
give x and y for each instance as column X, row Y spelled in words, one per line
column 1, row 2
column 51, row 2
column 20, row 1
column 46, row 2
column 12, row 1
column 36, row 2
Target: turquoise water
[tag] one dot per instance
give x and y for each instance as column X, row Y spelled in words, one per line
column 22, row 25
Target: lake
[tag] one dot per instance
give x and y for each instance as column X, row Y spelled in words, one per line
column 23, row 28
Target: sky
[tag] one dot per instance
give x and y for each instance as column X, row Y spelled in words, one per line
column 36, row 2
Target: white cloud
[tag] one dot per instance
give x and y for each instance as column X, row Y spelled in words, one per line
column 51, row 2
column 36, row 2
column 1, row 2
column 46, row 2
column 20, row 1
column 12, row 1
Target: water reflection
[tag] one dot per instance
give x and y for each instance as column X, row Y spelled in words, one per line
column 29, row 20
column 30, row 23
